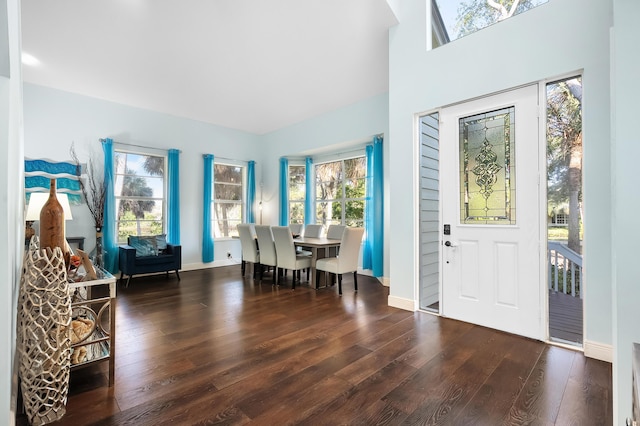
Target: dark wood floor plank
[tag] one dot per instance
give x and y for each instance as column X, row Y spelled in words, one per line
column 286, row 390
column 353, row 404
column 216, row 348
column 493, row 400
column 540, row 398
column 411, row 394
column 448, row 399
column 587, row 397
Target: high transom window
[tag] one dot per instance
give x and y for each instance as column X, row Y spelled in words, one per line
column 452, row 19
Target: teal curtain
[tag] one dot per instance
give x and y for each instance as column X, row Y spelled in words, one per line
column 373, row 250
column 284, row 199
column 109, row 239
column 207, row 235
column 251, row 192
column 173, row 198
column 309, row 216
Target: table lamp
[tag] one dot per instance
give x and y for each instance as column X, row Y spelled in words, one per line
column 36, row 201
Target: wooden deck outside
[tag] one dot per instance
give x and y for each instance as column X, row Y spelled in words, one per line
column 565, row 317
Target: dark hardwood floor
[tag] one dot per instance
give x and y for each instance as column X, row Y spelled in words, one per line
column 219, row 349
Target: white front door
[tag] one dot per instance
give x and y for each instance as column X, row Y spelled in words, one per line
column 490, row 203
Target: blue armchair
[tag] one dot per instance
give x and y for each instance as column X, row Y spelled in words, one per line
column 139, row 259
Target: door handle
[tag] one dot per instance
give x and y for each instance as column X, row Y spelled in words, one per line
column 449, row 244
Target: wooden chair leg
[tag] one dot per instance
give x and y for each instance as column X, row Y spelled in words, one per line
column 317, row 277
column 177, row 275
column 355, row 280
column 340, row 284
column 243, row 267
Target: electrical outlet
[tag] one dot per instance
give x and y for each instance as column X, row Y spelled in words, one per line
column 228, row 255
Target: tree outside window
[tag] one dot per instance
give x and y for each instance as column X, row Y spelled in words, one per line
column 228, row 203
column 140, row 194
column 464, row 17
column 340, row 192
column 297, row 193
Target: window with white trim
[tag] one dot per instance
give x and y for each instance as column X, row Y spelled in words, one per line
column 140, row 194
column 229, row 199
column 340, row 192
column 453, row 19
column 297, row 193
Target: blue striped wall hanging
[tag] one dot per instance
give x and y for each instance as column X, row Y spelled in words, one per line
column 39, row 172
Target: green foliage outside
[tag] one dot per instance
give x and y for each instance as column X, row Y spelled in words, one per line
column 561, row 285
column 129, row 224
column 474, row 15
column 334, row 179
column 138, row 213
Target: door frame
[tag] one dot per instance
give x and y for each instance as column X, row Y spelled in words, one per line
column 542, row 196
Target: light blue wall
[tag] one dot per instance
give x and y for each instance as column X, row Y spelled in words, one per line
column 626, row 199
column 54, row 119
column 562, row 36
column 337, row 131
column 331, row 132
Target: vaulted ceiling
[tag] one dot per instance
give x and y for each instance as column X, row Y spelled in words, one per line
column 254, row 65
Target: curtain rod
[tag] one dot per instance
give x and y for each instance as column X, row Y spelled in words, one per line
column 219, row 157
column 141, row 146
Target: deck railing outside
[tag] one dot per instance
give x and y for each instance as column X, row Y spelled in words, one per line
column 565, row 269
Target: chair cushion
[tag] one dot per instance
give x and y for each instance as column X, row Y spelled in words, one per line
column 145, row 246
column 161, row 243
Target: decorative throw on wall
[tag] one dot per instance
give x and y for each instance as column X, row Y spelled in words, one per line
column 38, row 173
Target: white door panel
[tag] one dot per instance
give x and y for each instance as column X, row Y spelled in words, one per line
column 490, row 199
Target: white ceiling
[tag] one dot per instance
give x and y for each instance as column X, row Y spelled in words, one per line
column 254, row 65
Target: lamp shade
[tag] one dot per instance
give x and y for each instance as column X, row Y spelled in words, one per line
column 37, row 200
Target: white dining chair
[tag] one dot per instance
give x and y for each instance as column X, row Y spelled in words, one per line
column 286, row 253
column 334, row 232
column 267, row 250
column 347, row 261
column 250, row 252
column 313, row 231
column 296, row 228
column 310, row 231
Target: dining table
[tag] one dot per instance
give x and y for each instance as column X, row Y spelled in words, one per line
column 319, row 248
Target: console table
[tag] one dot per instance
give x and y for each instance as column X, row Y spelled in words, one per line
column 77, row 240
column 72, row 240
column 95, row 300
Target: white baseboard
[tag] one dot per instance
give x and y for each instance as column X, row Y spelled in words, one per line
column 384, row 281
column 215, row 264
column 598, row 351
column 401, row 303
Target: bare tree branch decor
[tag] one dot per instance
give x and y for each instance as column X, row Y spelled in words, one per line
column 93, row 190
